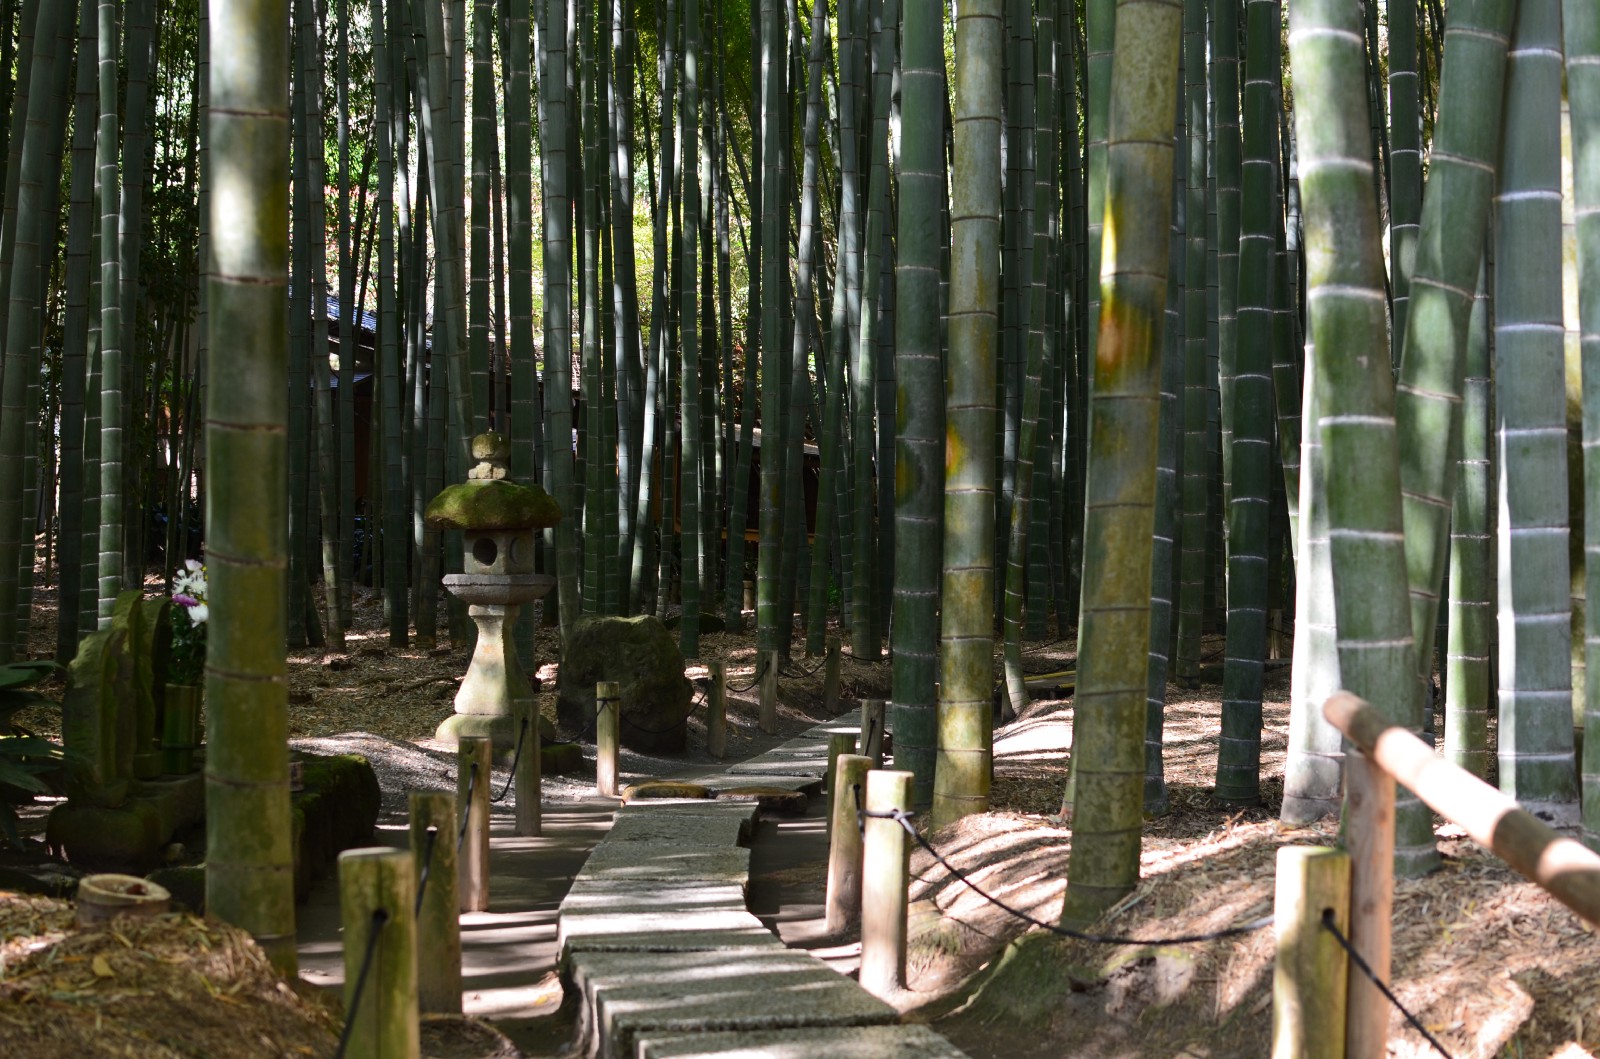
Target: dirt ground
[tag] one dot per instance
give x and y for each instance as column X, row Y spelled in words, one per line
column 1489, row 963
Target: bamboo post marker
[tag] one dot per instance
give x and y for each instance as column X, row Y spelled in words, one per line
column 377, row 893
column 1309, row 978
column 844, row 844
column 473, row 757
column 885, row 866
column 438, row 915
column 717, row 711
column 607, row 734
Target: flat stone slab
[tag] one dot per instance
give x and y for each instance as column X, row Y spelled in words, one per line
column 855, row 1042
column 662, row 921
column 626, row 996
column 709, row 829
column 668, row 861
column 591, row 895
column 822, row 731
column 764, row 776
column 757, row 937
column 808, row 767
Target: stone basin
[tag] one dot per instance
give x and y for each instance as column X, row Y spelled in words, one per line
column 498, row 589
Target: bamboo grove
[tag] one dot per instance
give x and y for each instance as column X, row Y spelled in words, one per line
column 951, row 326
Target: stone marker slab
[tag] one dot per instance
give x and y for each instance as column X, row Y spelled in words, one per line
column 669, row 862
column 855, row 1042
column 626, row 995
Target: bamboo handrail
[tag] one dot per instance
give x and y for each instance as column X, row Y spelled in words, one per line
column 1562, row 866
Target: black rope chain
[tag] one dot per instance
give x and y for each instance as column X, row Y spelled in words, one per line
column 380, row 916
column 516, row 757
column 427, row 866
column 761, row 671
column 466, row 815
column 1365, row 968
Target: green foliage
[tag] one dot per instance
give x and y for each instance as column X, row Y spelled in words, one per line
column 28, row 763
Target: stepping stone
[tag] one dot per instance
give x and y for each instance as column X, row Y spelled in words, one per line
column 765, row 776
column 822, row 731
column 772, row 800
column 710, row 830
column 618, row 895
column 855, row 1042
column 669, row 862
column 663, row 930
column 624, row 996
column 810, row 767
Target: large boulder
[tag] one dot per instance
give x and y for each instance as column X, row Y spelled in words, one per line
column 641, row 655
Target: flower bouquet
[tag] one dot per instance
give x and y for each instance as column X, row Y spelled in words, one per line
column 180, row 724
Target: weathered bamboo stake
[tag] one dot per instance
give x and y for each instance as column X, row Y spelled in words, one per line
column 839, row 744
column 528, row 780
column 717, row 712
column 473, row 757
column 749, row 602
column 872, row 715
column 376, row 893
column 1308, row 979
column 1369, row 838
column 885, row 865
column 843, row 908
column 1561, row 865
column 437, row 911
column 830, row 678
column 769, row 692
column 607, row 730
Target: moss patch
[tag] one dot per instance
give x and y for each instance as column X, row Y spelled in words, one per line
column 337, row 810
column 493, row 505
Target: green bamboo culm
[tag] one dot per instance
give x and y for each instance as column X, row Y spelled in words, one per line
column 38, row 188
column 689, row 339
column 1454, row 224
column 966, row 615
column 1581, row 30
column 919, row 376
column 1124, row 419
column 111, row 370
column 1469, row 680
column 249, row 863
column 1405, row 164
column 1239, row 752
column 1355, row 404
column 1535, row 694
column 774, row 250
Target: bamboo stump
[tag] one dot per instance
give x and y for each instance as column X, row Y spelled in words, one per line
column 527, row 779
column 844, row 844
column 769, row 692
column 607, row 735
column 830, row 678
column 376, row 893
column 839, row 744
column 885, row 865
column 437, row 912
column 1309, row 978
column 717, row 712
column 473, row 757
column 872, row 716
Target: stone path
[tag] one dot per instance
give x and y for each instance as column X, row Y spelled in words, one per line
column 665, row 961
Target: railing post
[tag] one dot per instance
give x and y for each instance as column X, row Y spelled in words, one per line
column 872, row 717
column 770, row 661
column 607, row 732
column 843, row 907
column 839, row 743
column 1309, row 977
column 438, row 911
column 717, row 711
column 473, row 757
column 1369, row 837
column 376, row 893
column 885, row 865
column 528, row 780
column 830, row 678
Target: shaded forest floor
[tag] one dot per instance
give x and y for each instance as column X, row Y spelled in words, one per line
column 1492, row 965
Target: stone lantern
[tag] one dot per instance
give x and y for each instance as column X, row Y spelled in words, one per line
column 498, row 519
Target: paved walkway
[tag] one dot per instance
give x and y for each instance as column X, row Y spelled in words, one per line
column 665, row 960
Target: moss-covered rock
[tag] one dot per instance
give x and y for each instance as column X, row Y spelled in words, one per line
column 642, row 656
column 493, row 505
column 337, row 811
column 560, row 759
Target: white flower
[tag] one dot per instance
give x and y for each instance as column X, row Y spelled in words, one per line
column 198, row 613
column 192, row 565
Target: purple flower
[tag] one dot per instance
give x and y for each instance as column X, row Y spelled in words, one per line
column 185, row 601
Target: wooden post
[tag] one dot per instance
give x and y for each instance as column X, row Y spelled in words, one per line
column 438, row 917
column 527, row 780
column 839, row 743
column 885, row 865
column 769, row 691
column 376, row 893
column 750, row 596
column 1309, row 978
column 717, row 711
column 473, row 757
column 1369, row 838
column 1493, row 820
column 607, row 733
column 844, row 843
column 872, row 714
column 830, row 678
